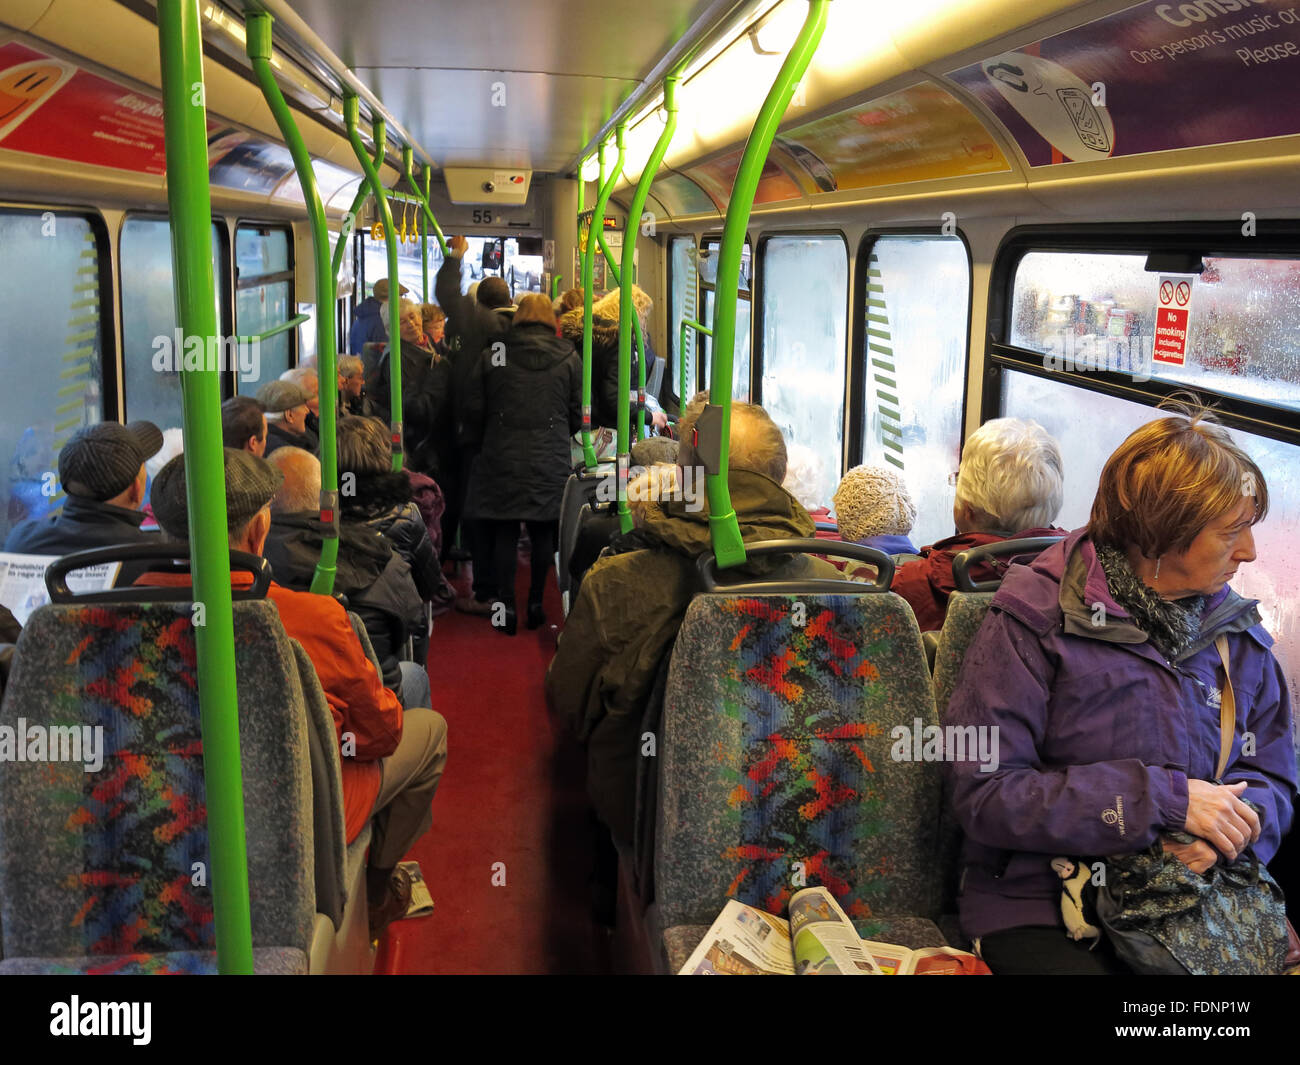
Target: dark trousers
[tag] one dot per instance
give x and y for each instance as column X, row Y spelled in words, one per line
column 505, row 546
column 1047, row 952
column 475, row 536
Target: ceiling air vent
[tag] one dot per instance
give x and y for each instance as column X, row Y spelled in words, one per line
column 467, row 184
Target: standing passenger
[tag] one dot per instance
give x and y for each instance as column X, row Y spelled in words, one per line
column 370, row 324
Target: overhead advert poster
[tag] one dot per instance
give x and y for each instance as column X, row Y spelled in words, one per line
column 1159, row 76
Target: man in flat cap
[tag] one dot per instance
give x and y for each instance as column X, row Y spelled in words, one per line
column 394, row 759
column 101, row 469
column 370, row 325
column 287, row 408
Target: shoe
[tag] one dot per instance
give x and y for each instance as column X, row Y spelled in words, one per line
column 469, row 605
column 394, row 903
column 536, row 616
column 510, row 624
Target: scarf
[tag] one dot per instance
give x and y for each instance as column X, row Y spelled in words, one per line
column 1170, row 624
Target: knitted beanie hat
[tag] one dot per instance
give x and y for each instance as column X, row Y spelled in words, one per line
column 873, row 501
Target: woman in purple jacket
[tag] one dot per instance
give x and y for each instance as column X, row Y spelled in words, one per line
column 1097, row 674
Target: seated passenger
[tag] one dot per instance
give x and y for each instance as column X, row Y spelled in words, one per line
column 1097, row 671
column 631, row 604
column 393, row 760
column 244, row 425
column 305, row 378
column 805, row 479
column 1010, row 485
column 352, row 388
column 10, row 630
column 101, row 469
column 873, row 508
column 376, row 580
column 173, row 445
column 286, row 410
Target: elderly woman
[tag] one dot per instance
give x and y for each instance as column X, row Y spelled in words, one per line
column 1097, row 668
column 428, row 427
column 1010, row 485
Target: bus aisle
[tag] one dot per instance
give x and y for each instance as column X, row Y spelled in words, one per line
column 513, row 793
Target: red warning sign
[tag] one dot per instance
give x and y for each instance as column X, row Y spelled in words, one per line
column 1173, row 317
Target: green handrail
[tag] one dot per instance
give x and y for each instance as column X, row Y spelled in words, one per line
column 275, row 331
column 258, row 44
column 351, row 112
column 588, row 280
column 626, row 308
column 421, row 200
column 424, row 242
column 189, row 202
column 350, row 220
column 617, row 275
column 728, row 546
column 555, row 285
column 682, row 380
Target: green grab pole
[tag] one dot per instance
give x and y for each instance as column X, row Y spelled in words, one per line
column 728, row 546
column 258, row 44
column 588, row 280
column 555, row 285
column 189, row 202
column 424, row 239
column 421, row 200
column 276, row 330
column 349, row 224
column 582, row 195
column 682, row 379
column 351, row 112
column 617, row 275
column 625, row 305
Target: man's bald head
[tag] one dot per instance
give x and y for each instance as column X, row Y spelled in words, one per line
column 301, row 488
column 756, row 443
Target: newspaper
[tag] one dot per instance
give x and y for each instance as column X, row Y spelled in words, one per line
column 421, row 904
column 22, row 581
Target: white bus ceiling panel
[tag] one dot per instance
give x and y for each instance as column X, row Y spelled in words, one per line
column 564, row 67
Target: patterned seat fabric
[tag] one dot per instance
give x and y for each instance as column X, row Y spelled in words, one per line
column 966, row 612
column 115, row 862
column 777, row 770
column 267, row 961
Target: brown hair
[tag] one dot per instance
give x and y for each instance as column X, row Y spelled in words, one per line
column 574, row 297
column 534, row 308
column 1169, row 480
column 364, row 445
column 431, row 312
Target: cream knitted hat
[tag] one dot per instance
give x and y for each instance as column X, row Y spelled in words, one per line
column 873, row 501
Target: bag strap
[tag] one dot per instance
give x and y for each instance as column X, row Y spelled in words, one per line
column 1227, row 709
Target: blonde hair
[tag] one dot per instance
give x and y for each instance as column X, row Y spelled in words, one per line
column 1169, row 480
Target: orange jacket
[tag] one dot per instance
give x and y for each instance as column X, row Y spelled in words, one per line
column 360, row 703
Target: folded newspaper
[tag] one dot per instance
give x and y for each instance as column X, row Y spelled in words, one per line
column 817, row 940
column 22, row 581
column 421, row 904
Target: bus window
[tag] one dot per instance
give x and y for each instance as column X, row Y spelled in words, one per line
column 149, row 316
column 683, row 289
column 1090, row 425
column 51, row 321
column 914, row 367
column 263, row 297
column 1091, row 311
column 805, row 320
column 708, row 273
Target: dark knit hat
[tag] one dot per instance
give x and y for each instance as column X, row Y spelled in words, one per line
column 101, row 461
column 279, row 396
column 250, row 484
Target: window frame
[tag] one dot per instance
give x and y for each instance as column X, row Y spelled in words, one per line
column 1278, row 238
column 758, row 315
column 289, row 274
column 674, row 328
column 857, row 399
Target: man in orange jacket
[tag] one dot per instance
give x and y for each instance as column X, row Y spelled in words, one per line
column 392, row 761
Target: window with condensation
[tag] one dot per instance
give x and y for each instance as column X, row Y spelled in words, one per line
column 708, row 269
column 52, row 333
column 683, row 284
column 914, row 368
column 1094, row 311
column 804, row 345
column 264, row 299
column 1090, row 425
column 149, row 317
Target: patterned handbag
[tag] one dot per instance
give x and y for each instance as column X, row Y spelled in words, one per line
column 1161, row 917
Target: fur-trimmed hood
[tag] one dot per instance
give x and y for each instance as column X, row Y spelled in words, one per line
column 604, row 318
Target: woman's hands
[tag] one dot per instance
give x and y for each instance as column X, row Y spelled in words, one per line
column 1218, row 817
column 1198, row 857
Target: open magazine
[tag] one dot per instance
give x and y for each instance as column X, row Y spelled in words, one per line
column 817, row 940
column 421, row 904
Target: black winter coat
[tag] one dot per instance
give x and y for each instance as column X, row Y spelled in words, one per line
column 383, row 503
column 471, row 327
column 374, row 577
column 604, row 365
column 428, row 426
column 532, row 403
column 279, row 435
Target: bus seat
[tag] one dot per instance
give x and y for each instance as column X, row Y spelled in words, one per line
column 109, row 870
column 579, row 490
column 776, row 750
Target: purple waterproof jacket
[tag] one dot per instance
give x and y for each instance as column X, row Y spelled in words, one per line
column 1098, row 733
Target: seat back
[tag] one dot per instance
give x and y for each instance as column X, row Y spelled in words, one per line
column 966, row 612
column 776, row 748
column 579, row 490
column 116, row 861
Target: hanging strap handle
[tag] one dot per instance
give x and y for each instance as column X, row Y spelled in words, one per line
column 1227, row 709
